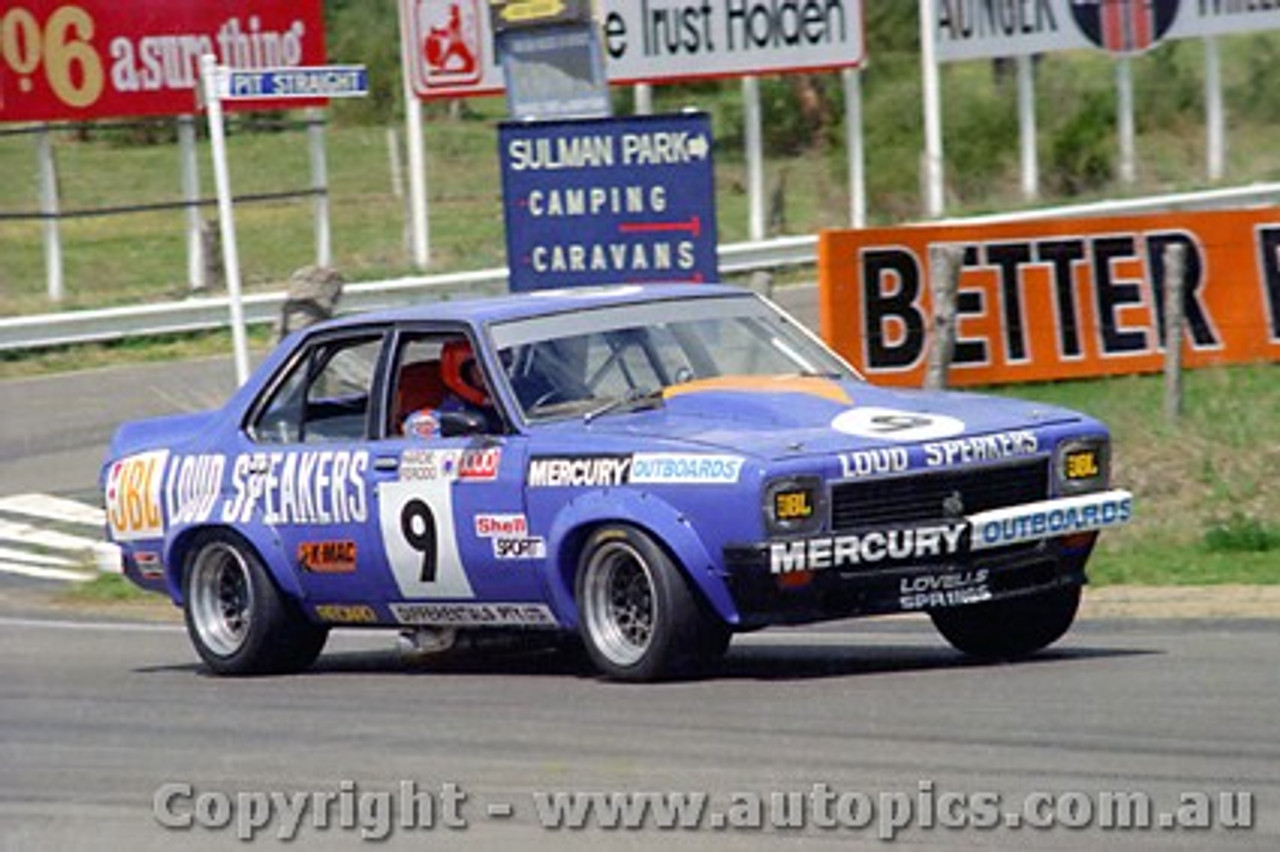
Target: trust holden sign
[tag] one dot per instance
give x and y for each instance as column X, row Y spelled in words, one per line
column 449, row 43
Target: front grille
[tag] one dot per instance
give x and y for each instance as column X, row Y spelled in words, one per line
column 933, row 496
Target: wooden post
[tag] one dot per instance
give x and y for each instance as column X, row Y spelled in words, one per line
column 944, row 282
column 1175, row 265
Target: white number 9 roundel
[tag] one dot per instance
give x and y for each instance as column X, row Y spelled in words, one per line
column 418, row 535
column 888, row 424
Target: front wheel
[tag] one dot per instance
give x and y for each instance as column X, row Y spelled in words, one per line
column 1009, row 629
column 237, row 619
column 640, row 619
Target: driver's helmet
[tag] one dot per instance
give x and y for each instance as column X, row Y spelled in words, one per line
column 461, row 373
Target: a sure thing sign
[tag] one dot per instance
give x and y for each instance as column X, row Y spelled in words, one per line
column 609, row 201
column 1055, row 299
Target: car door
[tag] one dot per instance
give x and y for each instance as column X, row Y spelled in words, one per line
column 450, row 511
column 303, row 470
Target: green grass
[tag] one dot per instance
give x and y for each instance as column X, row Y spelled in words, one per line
column 1206, row 489
column 106, row 589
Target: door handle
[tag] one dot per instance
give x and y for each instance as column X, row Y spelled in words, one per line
column 386, row 463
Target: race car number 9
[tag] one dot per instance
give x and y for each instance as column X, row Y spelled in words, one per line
column 419, row 538
column 418, row 526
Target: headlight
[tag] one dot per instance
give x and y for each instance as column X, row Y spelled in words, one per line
column 794, row 505
column 1082, row 466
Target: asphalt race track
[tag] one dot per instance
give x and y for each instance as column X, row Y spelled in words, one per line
column 848, row 732
column 97, row 719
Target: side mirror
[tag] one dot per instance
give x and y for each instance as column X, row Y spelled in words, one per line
column 455, row 423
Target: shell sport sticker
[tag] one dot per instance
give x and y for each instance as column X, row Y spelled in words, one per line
column 888, row 424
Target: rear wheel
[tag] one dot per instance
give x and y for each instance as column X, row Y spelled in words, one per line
column 237, row 619
column 1009, row 629
column 640, row 619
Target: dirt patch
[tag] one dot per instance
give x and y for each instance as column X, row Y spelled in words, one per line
column 1181, row 602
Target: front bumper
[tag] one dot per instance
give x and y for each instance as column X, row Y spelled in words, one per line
column 1004, row 553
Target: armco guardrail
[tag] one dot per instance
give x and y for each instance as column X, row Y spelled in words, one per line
column 67, row 327
column 199, row 314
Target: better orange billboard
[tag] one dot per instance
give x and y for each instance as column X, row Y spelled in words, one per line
column 1055, row 299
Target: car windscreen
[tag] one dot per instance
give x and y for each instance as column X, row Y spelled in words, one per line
column 573, row 364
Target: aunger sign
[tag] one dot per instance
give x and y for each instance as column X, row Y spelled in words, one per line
column 450, row 42
column 1055, row 299
column 979, row 29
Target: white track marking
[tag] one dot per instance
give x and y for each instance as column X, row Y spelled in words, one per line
column 36, row 537
column 54, row 509
column 39, row 573
column 9, row 554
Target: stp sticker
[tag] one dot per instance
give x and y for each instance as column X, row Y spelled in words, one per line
column 888, row 424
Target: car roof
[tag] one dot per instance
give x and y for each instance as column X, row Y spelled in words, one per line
column 485, row 310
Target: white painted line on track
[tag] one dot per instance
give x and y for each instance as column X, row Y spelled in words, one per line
column 39, row 573
column 10, row 554
column 53, row 508
column 107, row 626
column 34, row 536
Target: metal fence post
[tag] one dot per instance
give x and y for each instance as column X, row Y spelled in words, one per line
column 48, row 172
column 1175, row 265
column 944, row 282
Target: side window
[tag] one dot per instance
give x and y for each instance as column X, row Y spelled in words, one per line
column 325, row 397
column 435, row 375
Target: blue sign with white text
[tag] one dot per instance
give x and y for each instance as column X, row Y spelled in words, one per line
column 609, row 201
column 321, row 81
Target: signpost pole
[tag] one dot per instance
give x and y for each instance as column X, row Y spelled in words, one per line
column 320, row 185
column 755, row 156
column 934, row 201
column 1215, row 121
column 854, row 142
column 222, row 181
column 644, row 98
column 1027, row 126
column 191, row 195
column 49, row 210
column 1124, row 118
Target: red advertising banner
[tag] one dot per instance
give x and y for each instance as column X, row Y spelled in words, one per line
column 1055, row 299
column 92, row 59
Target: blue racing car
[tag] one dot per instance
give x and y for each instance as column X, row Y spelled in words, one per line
column 650, row 468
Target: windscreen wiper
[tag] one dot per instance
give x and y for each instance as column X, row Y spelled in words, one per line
column 632, row 400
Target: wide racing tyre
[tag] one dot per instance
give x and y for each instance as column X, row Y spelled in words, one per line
column 237, row 619
column 1009, row 629
column 640, row 620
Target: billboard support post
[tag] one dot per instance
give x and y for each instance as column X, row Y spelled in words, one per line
column 419, row 227
column 1124, row 118
column 222, row 182
column 1027, row 127
column 320, row 185
column 191, row 195
column 855, row 147
column 934, row 197
column 48, row 170
column 1215, row 121
column 755, row 156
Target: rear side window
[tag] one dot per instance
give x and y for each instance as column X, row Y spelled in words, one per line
column 324, row 397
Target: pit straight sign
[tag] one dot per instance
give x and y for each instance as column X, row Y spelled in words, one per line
column 450, row 42
column 1055, row 299
column 609, row 200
